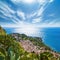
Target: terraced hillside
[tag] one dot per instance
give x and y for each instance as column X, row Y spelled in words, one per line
column 21, row 47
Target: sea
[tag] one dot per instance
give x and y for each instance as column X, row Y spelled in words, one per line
column 50, row 36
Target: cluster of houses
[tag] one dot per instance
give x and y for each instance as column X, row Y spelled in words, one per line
column 30, row 47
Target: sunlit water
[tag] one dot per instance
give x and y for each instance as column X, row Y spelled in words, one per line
column 50, row 36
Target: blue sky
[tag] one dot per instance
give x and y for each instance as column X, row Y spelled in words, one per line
column 29, row 14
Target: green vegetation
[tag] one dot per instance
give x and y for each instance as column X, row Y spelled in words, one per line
column 11, row 49
column 2, row 31
column 46, row 56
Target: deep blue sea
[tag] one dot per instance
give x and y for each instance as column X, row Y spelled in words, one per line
column 50, row 36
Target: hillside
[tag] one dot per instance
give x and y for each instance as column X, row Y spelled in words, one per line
column 33, row 44
column 21, row 47
column 37, row 41
column 2, row 31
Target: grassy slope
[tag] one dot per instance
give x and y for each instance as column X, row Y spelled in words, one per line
column 2, row 31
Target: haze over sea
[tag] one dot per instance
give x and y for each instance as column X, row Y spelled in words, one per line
column 50, row 36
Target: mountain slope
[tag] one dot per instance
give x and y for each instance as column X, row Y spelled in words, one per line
column 2, row 31
column 21, row 47
column 34, row 45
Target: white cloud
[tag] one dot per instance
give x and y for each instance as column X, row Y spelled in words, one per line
column 53, row 23
column 7, row 12
column 26, row 25
column 36, row 20
column 41, row 9
column 6, row 8
column 28, row 1
column 23, row 1
column 42, row 1
column 39, row 12
column 31, row 1
column 21, row 14
column 51, row 1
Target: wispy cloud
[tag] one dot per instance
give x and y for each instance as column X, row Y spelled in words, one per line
column 23, row 1
column 5, row 7
column 26, row 22
column 36, row 20
column 51, row 1
column 6, row 11
column 39, row 13
column 21, row 15
column 27, row 26
column 35, row 17
column 9, row 14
